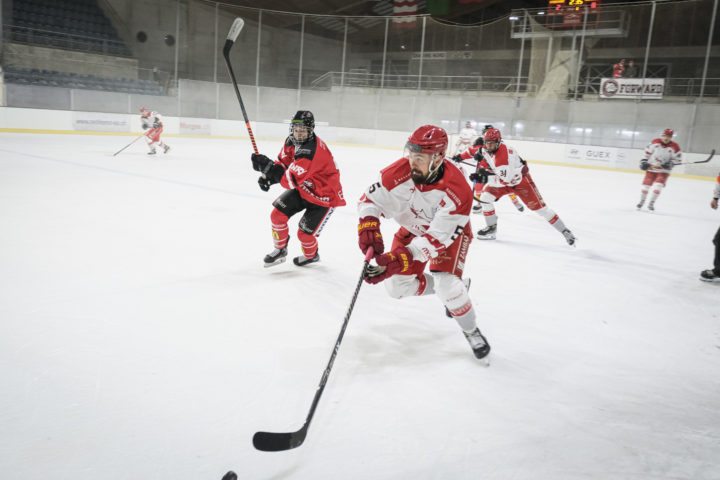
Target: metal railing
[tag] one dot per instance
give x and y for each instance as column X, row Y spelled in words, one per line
column 423, row 82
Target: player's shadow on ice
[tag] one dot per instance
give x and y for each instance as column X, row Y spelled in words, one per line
column 402, row 343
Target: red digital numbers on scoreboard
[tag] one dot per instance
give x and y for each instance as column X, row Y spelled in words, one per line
column 569, row 13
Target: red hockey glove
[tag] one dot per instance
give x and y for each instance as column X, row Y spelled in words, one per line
column 369, row 235
column 389, row 264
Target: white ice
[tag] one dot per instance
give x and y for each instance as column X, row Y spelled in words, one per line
column 141, row 337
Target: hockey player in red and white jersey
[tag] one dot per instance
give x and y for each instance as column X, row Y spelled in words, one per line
column 505, row 172
column 153, row 121
column 465, row 138
column 713, row 274
column 431, row 200
column 306, row 168
column 661, row 155
column 474, row 153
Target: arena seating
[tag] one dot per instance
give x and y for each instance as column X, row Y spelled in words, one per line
column 51, row 78
column 71, row 24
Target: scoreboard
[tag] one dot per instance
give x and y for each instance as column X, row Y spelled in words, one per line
column 570, row 13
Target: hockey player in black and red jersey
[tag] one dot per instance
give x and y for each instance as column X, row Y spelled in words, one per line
column 661, row 155
column 713, row 274
column 431, row 200
column 153, row 121
column 305, row 167
column 505, row 172
column 474, row 153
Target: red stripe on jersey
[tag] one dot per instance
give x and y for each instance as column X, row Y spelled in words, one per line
column 395, row 173
column 501, row 156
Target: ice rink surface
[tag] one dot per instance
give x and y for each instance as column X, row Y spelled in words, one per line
column 141, row 337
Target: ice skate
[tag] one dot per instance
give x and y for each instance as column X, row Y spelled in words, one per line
column 640, row 205
column 302, row 260
column 152, row 151
column 651, row 206
column 166, row 148
column 275, row 257
column 709, row 276
column 487, row 233
column 467, row 282
column 478, row 343
column 569, row 237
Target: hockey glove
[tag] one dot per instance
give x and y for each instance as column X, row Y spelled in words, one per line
column 264, row 183
column 481, row 176
column 457, row 158
column 369, row 235
column 389, row 264
column 644, row 164
column 667, row 165
column 260, row 162
column 156, row 125
column 145, row 126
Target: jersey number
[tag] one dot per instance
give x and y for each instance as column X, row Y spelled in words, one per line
column 374, row 186
column 458, row 231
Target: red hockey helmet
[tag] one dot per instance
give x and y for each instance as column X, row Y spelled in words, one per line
column 492, row 135
column 668, row 132
column 428, row 139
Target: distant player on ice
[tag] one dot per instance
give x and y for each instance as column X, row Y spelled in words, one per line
column 465, row 138
column 305, row 167
column 661, row 155
column 153, row 121
column 505, row 172
column 474, row 153
column 431, row 200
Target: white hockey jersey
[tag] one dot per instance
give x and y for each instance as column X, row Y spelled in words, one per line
column 657, row 153
column 436, row 214
column 506, row 164
column 467, row 135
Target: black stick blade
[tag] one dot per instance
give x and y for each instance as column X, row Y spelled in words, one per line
column 278, row 442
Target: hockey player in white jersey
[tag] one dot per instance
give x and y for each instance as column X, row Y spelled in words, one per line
column 431, row 200
column 505, row 172
column 661, row 155
column 466, row 137
column 152, row 122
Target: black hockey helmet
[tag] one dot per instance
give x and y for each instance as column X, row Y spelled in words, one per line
column 478, row 142
column 306, row 119
column 486, row 128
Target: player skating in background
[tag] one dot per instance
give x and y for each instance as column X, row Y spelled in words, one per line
column 431, row 200
column 505, row 172
column 713, row 274
column 661, row 155
column 473, row 153
column 153, row 121
column 465, row 138
column 305, row 167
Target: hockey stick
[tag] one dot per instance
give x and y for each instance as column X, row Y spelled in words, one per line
column 712, row 154
column 126, row 146
column 276, row 442
column 231, row 37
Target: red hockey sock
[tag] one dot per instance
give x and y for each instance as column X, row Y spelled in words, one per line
column 280, row 230
column 309, row 244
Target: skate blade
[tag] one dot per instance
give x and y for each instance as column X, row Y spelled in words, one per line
column 276, row 262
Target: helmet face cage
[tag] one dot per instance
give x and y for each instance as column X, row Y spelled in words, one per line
column 303, row 118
